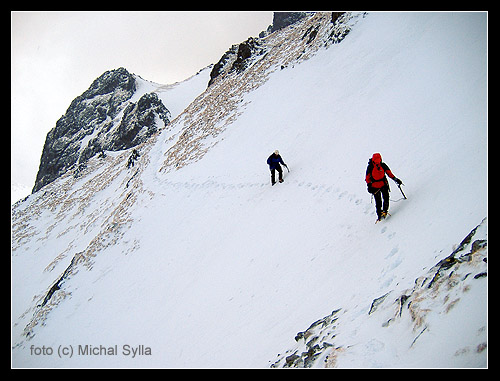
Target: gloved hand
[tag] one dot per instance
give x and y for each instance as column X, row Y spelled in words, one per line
column 398, row 181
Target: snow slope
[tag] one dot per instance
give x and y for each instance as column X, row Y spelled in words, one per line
column 193, row 255
column 176, row 96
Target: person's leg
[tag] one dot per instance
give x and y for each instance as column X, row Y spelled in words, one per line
column 273, row 179
column 378, row 203
column 385, row 194
column 280, row 172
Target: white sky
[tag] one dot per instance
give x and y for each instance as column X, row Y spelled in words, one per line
column 55, row 56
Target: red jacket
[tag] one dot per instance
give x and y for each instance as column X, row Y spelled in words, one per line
column 376, row 171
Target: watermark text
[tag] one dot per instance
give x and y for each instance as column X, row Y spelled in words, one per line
column 68, row 351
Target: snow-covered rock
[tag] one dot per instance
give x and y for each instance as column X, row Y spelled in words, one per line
column 444, row 310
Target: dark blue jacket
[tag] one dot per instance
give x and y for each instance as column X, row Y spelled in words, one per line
column 274, row 161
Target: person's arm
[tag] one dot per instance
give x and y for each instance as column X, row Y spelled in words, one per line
column 368, row 177
column 390, row 174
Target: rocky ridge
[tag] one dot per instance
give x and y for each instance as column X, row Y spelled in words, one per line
column 104, row 118
column 239, row 56
column 438, row 291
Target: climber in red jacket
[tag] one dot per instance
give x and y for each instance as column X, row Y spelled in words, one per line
column 378, row 185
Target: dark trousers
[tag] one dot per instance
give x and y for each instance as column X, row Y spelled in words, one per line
column 382, row 193
column 273, row 175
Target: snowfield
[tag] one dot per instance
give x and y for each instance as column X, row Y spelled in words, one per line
column 191, row 253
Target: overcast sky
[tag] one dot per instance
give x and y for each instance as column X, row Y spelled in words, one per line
column 55, row 57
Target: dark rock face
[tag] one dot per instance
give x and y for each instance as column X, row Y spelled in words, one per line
column 245, row 50
column 90, row 125
column 335, row 16
column 222, row 66
column 283, row 19
column 237, row 57
column 138, row 122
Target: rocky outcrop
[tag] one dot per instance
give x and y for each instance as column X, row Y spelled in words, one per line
column 245, row 51
column 102, row 118
column 236, row 58
column 138, row 122
column 283, row 19
column 435, row 293
column 224, row 64
column 240, row 56
column 311, row 343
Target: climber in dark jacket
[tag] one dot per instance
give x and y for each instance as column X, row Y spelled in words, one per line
column 274, row 165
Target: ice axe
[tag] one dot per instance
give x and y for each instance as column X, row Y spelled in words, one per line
column 399, row 186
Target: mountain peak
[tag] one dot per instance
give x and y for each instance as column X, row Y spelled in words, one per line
column 94, row 123
column 111, row 81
